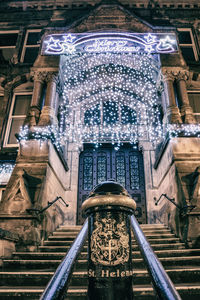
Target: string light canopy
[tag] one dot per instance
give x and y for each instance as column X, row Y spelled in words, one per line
column 110, row 97
column 6, row 168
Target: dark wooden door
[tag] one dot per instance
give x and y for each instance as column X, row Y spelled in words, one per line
column 124, row 166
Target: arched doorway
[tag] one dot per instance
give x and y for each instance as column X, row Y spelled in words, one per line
column 124, row 165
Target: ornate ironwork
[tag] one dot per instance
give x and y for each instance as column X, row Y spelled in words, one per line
column 101, row 169
column 87, row 173
column 120, row 170
column 134, row 172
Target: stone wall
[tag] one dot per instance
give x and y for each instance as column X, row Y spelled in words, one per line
column 177, row 175
column 38, row 178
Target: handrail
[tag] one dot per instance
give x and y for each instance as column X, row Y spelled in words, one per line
column 183, row 209
column 161, row 282
column 58, row 284
column 40, row 211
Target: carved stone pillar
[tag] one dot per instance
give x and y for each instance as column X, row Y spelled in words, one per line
column 172, row 111
column 48, row 116
column 186, row 109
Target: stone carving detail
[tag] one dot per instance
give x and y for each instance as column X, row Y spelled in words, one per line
column 19, row 199
column 39, row 76
column 109, row 243
column 45, row 76
column 52, row 76
column 175, row 73
column 182, row 75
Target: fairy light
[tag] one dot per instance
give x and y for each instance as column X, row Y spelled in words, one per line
column 42, row 133
column 6, row 168
column 125, row 42
column 109, row 97
column 185, row 130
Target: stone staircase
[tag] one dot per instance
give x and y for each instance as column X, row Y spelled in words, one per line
column 26, row 274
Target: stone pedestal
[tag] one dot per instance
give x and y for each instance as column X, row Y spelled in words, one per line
column 110, row 260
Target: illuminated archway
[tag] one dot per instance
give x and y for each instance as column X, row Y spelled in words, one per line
column 107, row 81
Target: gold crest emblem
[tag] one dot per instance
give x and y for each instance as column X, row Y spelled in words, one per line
column 109, row 243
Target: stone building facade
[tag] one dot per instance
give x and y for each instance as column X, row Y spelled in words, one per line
column 38, row 167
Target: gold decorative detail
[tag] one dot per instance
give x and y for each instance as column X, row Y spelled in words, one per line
column 109, row 243
column 109, row 200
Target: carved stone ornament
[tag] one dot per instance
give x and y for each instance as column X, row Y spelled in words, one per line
column 175, row 73
column 182, row 75
column 52, row 77
column 109, row 243
column 39, row 76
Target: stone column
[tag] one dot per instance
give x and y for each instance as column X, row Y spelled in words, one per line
column 186, row 109
column 48, row 116
column 34, row 111
column 172, row 111
column 109, row 242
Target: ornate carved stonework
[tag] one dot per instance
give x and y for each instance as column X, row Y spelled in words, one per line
column 182, row 75
column 109, row 243
column 175, row 73
column 45, row 75
column 39, row 76
column 52, row 76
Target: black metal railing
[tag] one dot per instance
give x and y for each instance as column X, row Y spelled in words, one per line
column 162, row 284
column 57, row 287
column 182, row 209
column 40, row 211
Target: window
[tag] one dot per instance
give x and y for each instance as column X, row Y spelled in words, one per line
column 8, row 40
column 19, row 109
column 194, row 98
column 31, row 46
column 2, row 190
column 187, row 44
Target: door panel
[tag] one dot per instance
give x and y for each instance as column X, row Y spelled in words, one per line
column 124, row 166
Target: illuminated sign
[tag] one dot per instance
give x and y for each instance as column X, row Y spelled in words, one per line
column 56, row 44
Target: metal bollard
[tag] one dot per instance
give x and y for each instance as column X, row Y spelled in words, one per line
column 109, row 241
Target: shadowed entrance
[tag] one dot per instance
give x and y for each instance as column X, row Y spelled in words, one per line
column 124, row 166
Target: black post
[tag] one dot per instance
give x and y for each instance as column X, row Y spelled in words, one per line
column 109, row 241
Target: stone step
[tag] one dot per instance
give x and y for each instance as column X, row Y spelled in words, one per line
column 152, row 240
column 41, row 278
column 63, row 237
column 182, row 275
column 143, row 292
column 136, row 254
column 56, row 248
column 146, row 231
column 81, row 264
